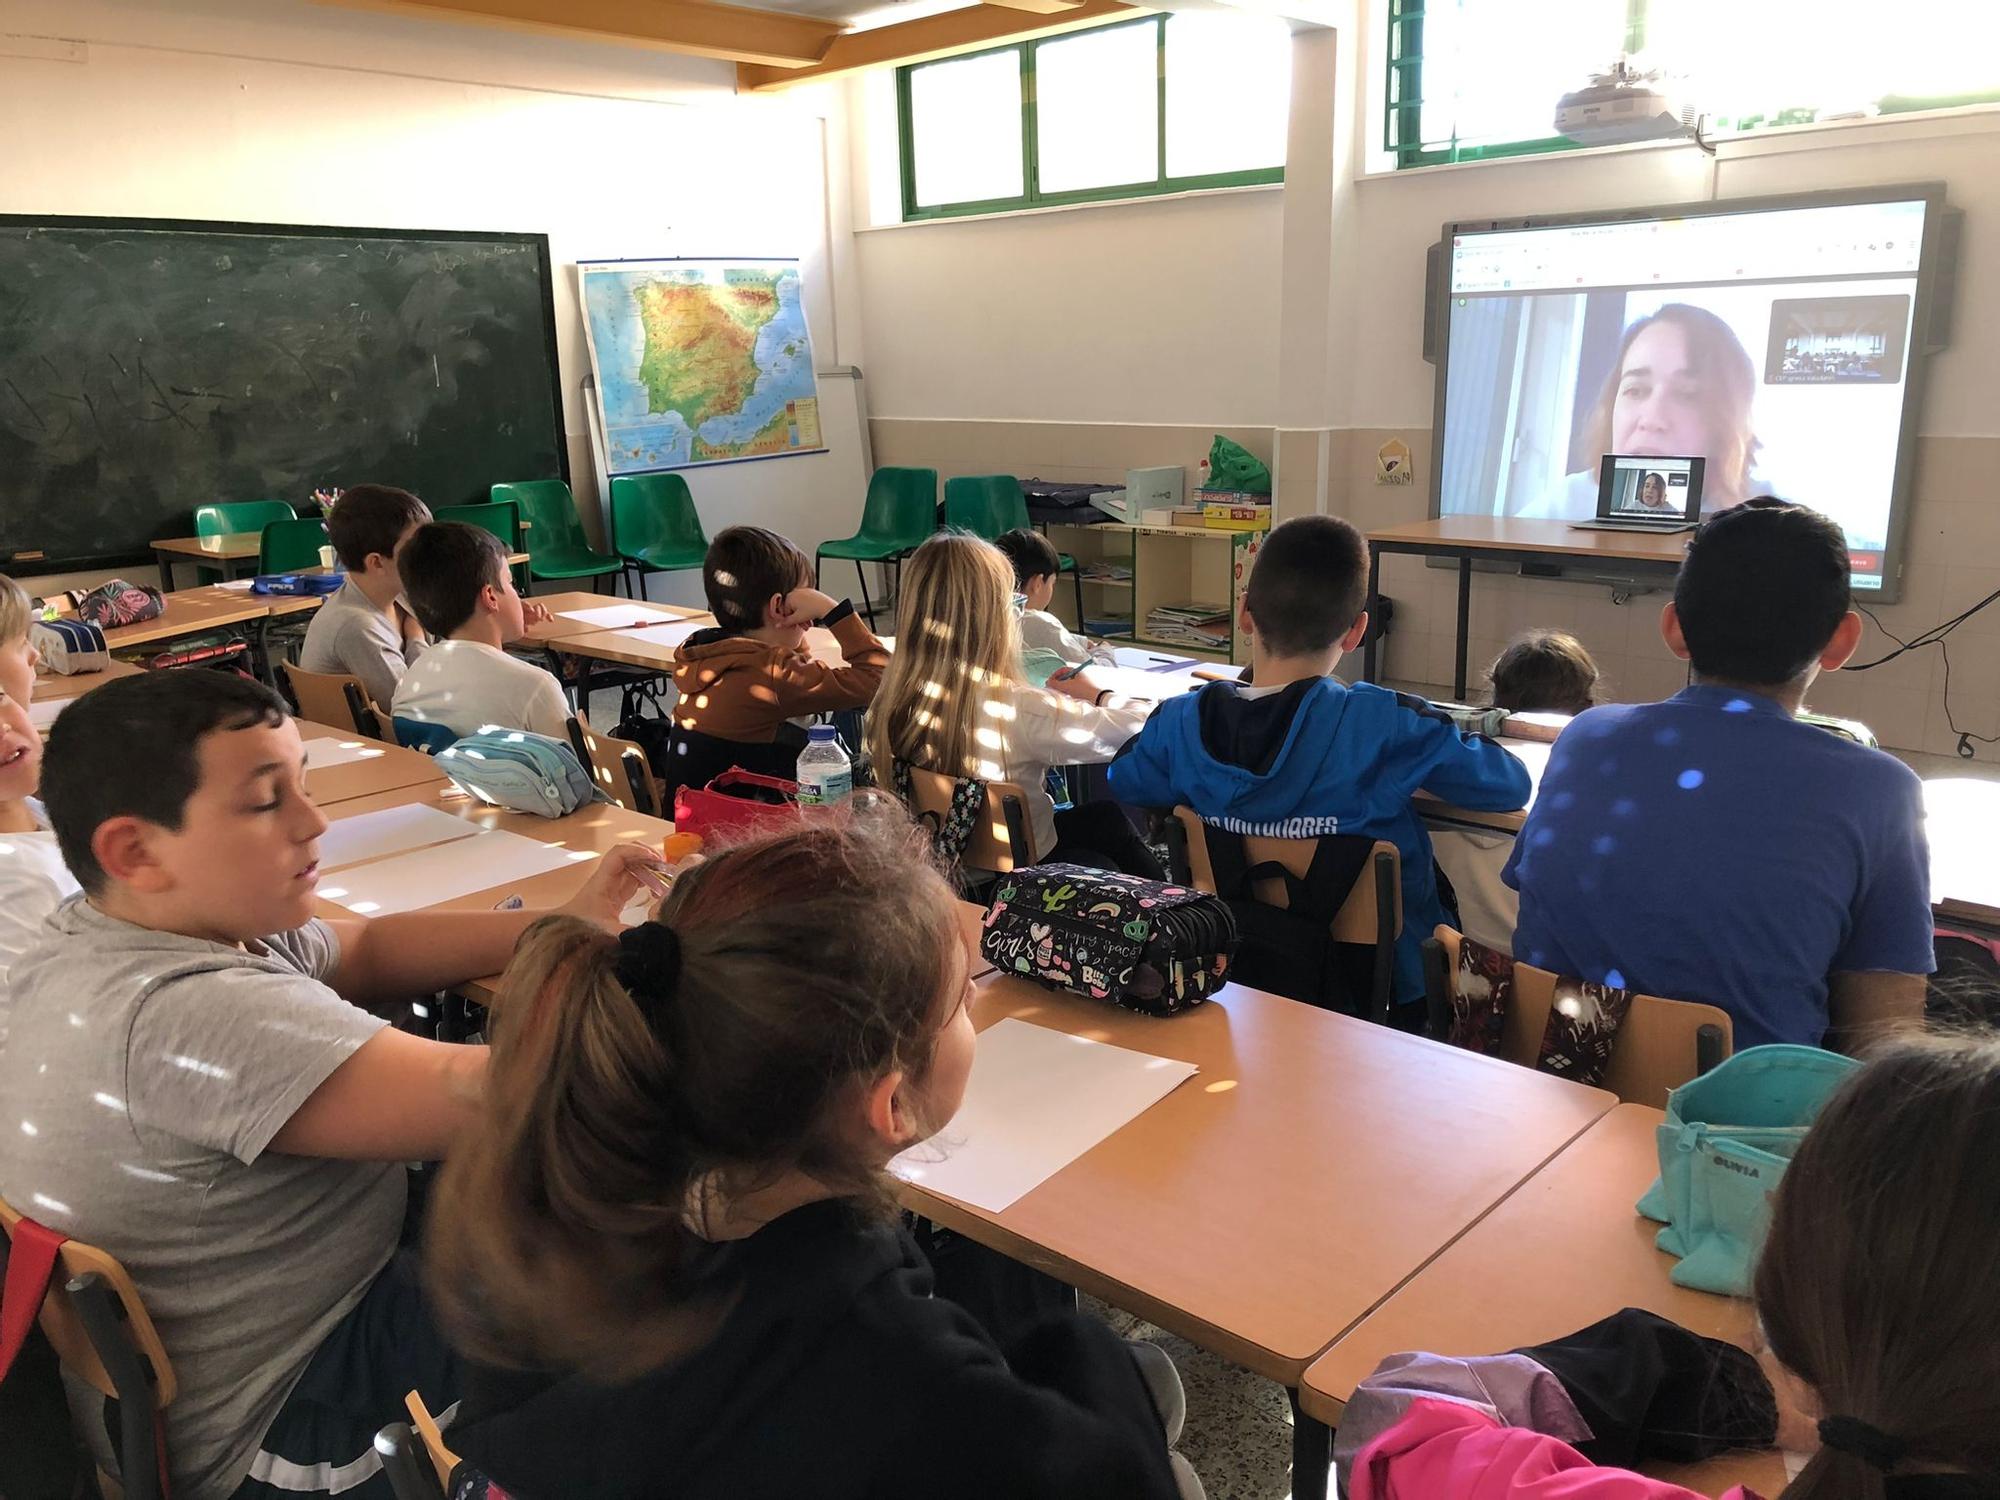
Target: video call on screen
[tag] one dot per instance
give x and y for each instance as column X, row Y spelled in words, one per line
column 1745, row 338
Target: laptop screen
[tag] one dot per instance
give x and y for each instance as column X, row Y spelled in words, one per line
column 1647, row 488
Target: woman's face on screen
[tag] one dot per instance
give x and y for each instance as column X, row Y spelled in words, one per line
column 1658, row 411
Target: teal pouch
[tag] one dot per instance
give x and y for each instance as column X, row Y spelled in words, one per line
column 1724, row 1146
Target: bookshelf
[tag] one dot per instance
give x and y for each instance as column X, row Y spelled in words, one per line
column 1161, row 566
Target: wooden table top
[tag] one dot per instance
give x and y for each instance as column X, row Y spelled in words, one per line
column 1513, row 534
column 1961, row 813
column 235, row 546
column 1266, row 1205
column 386, row 768
column 1560, row 1252
column 189, row 613
column 49, row 687
column 559, row 628
column 616, row 646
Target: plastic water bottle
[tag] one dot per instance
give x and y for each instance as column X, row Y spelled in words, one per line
column 825, row 775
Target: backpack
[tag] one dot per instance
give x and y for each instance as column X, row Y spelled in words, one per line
column 522, row 772
column 69, row 647
column 116, row 603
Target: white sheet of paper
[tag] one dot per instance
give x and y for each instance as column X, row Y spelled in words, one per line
column 425, row 877
column 1037, row 1100
column 670, row 634
column 392, row 830
column 1130, row 682
column 42, row 711
column 605, row 616
column 1150, row 661
column 326, row 751
column 236, row 585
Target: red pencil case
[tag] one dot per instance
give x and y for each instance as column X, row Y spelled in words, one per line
column 736, row 800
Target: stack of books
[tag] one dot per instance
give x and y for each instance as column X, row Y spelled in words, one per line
column 1192, row 624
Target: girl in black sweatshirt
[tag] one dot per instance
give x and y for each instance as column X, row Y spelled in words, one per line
column 669, row 1251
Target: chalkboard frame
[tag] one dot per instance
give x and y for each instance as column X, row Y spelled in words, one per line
column 26, row 565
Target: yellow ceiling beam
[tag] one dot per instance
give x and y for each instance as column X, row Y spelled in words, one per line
column 931, row 37
column 763, row 38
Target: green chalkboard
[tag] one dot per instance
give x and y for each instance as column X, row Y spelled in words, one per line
column 149, row 366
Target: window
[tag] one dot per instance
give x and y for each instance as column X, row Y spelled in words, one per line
column 1157, row 105
column 1467, row 80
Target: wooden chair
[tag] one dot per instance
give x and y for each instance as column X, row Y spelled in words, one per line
column 1662, row 1045
column 443, row 1461
column 100, row 1332
column 617, row 766
column 1371, row 916
column 334, row 698
column 1000, row 839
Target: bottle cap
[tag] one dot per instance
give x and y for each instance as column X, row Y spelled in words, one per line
column 820, row 734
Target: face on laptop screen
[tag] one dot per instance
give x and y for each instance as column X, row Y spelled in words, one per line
column 1650, row 488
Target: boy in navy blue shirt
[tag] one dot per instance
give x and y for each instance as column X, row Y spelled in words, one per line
column 1302, row 754
column 1714, row 848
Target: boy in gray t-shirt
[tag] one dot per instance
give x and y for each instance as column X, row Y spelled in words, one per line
column 365, row 630
column 207, row 1102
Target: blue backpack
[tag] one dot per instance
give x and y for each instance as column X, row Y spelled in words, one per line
column 523, row 772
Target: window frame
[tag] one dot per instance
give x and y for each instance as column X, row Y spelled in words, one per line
column 1032, row 195
column 1402, row 102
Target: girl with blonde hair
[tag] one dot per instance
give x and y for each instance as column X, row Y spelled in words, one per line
column 954, row 701
column 33, row 878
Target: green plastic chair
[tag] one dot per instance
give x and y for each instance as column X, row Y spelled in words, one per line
column 557, row 547
column 288, row 546
column 896, row 518
column 655, row 527
column 235, row 518
column 990, row 505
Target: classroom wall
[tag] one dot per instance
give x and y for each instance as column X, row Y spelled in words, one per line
column 1028, row 388
column 286, row 111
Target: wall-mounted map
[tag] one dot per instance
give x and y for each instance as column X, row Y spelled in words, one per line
column 699, row 361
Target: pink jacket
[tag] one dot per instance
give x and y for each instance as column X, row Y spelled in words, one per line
column 1444, row 1448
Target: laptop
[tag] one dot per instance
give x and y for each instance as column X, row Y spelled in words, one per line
column 1640, row 492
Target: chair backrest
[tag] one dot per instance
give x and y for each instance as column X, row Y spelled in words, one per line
column 618, row 767
column 501, row 517
column 984, row 504
column 290, row 544
column 1659, row 1048
column 240, row 516
column 1000, row 840
column 443, row 1460
column 654, row 510
column 1360, row 918
column 63, row 1320
column 901, row 506
column 327, row 697
column 421, row 734
column 550, row 511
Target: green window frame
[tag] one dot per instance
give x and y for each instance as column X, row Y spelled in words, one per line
column 1403, row 107
column 1033, row 196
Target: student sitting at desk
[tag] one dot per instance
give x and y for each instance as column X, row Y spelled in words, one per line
column 955, row 702
column 33, row 878
column 1796, row 859
column 744, row 677
column 671, row 1247
column 1302, row 754
column 1036, row 566
column 365, row 630
column 458, row 582
column 199, row 1093
column 1875, row 1296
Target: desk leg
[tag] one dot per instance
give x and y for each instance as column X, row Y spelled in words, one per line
column 1312, row 1452
column 1464, row 623
column 166, row 573
column 1368, row 651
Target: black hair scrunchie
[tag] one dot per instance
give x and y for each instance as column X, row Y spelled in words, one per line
column 649, row 962
column 1874, row 1447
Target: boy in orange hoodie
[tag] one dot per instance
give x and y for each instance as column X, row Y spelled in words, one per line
column 741, row 679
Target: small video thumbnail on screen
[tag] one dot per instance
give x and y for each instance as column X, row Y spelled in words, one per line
column 1836, row 340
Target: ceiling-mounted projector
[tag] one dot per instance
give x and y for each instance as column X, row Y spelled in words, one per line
column 1623, row 105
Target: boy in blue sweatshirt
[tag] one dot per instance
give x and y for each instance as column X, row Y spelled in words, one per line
column 1302, row 754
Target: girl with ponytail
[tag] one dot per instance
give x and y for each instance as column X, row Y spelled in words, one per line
column 1879, row 1298
column 669, row 1249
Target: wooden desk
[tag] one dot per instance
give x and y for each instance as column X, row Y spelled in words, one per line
column 1534, row 754
column 1961, row 814
column 1265, row 1206
column 1561, row 1251
column 559, row 628
column 387, row 768
column 616, row 646
column 1473, row 539
column 595, row 829
column 190, row 616
column 220, row 552
column 49, row 687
